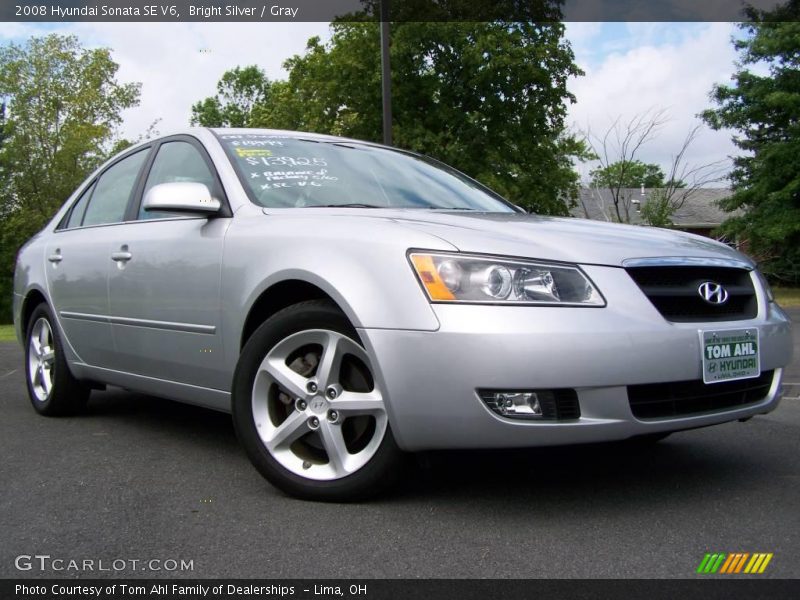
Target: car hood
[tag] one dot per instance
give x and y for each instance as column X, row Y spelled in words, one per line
column 531, row 236
column 562, row 239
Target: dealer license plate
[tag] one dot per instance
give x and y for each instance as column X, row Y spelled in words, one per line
column 730, row 354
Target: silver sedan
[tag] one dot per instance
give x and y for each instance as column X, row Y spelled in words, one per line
column 351, row 303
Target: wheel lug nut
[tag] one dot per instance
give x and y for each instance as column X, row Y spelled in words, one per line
column 311, row 387
column 313, row 422
column 300, row 405
column 331, row 392
column 333, row 416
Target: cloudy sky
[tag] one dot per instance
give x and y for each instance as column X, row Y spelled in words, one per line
column 630, row 68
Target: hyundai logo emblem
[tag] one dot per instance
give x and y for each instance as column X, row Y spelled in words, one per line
column 713, row 293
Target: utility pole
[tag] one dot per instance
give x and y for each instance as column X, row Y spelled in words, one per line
column 386, row 74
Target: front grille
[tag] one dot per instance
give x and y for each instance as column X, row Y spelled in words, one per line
column 679, row 398
column 674, row 292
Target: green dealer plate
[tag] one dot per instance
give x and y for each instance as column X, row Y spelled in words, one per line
column 730, row 354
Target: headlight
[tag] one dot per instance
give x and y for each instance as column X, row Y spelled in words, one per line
column 766, row 286
column 470, row 278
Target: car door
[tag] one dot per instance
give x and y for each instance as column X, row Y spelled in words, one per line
column 78, row 258
column 164, row 288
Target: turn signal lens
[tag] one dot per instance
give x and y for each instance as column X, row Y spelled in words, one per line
column 430, row 278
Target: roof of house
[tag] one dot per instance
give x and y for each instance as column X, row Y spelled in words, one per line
column 699, row 209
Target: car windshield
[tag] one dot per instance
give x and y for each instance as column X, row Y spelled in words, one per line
column 281, row 171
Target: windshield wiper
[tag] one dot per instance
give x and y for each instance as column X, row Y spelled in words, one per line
column 452, row 208
column 350, row 205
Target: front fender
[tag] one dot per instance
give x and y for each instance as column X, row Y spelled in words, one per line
column 368, row 277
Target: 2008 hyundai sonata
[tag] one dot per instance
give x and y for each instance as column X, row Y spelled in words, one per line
column 349, row 303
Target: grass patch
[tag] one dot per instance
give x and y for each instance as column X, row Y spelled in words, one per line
column 7, row 333
column 788, row 297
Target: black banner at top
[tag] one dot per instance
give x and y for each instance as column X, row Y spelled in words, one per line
column 399, row 10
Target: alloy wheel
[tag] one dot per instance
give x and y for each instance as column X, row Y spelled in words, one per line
column 41, row 359
column 316, row 406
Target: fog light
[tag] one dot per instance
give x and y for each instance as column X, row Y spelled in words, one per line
column 515, row 404
column 556, row 404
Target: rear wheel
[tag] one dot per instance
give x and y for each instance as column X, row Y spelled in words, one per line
column 308, row 410
column 52, row 389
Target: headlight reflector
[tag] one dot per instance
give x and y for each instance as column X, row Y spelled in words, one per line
column 536, row 283
column 485, row 279
column 451, row 274
column 494, row 281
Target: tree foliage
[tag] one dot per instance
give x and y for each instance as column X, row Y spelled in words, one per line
column 616, row 150
column 628, row 174
column 62, row 106
column 658, row 210
column 763, row 106
column 488, row 98
column 238, row 92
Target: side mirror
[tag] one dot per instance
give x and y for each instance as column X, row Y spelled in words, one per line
column 181, row 197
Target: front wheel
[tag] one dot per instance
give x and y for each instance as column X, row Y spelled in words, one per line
column 308, row 410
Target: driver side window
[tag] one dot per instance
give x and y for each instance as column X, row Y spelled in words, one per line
column 176, row 162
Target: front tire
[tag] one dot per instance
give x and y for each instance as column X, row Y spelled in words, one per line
column 52, row 389
column 308, row 410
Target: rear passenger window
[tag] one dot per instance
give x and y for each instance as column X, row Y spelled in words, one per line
column 76, row 216
column 113, row 189
column 176, row 162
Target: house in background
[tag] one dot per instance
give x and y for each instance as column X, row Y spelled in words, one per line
column 699, row 214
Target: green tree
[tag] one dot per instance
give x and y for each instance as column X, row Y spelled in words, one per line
column 616, row 150
column 657, row 211
column 628, row 174
column 763, row 107
column 489, row 98
column 238, row 92
column 63, row 106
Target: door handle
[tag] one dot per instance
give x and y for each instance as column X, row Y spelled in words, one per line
column 55, row 257
column 122, row 256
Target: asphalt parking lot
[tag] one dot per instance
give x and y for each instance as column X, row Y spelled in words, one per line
column 138, row 478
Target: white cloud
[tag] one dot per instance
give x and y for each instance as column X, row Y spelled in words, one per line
column 672, row 69
column 180, row 63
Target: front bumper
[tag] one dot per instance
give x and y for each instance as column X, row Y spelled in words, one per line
column 431, row 378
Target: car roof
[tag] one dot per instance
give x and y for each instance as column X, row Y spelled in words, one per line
column 291, row 134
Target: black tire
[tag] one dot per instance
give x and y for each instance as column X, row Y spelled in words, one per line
column 67, row 395
column 383, row 469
